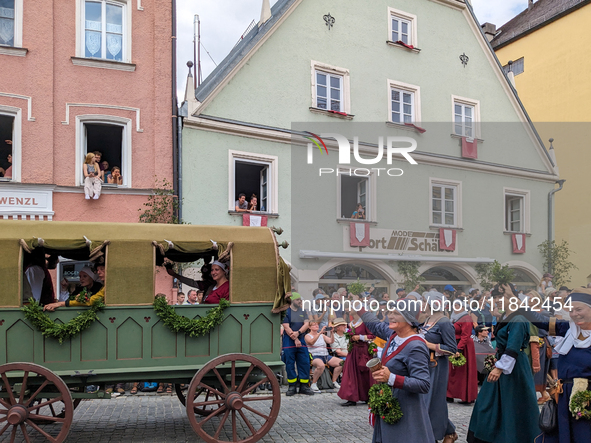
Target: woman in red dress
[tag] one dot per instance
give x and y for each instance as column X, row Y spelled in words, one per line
column 463, row 380
column 357, row 378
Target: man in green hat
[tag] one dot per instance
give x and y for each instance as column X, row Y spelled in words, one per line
column 295, row 325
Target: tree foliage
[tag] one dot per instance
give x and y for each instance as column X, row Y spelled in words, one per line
column 162, row 206
column 410, row 273
column 485, row 278
column 556, row 261
column 356, row 287
column 501, row 274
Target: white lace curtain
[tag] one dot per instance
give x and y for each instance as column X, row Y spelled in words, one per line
column 7, row 23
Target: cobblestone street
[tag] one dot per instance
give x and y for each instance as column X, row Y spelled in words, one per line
column 162, row 418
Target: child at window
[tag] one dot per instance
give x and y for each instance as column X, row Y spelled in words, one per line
column 115, row 176
column 92, row 177
column 252, row 205
column 359, row 213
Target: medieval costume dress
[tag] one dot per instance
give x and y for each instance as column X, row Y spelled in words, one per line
column 408, row 359
column 442, row 334
column 574, row 362
column 357, row 379
column 463, row 380
column 506, row 411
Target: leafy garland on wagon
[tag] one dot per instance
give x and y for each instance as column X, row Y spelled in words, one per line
column 190, row 327
column 60, row 331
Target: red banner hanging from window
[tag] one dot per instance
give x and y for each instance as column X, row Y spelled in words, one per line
column 359, row 234
column 518, row 241
column 254, row 220
column 447, row 239
column 469, row 148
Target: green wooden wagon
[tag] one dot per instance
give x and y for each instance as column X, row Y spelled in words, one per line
column 43, row 380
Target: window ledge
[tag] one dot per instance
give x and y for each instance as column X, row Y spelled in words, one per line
column 405, row 127
column 11, row 50
column 459, row 137
column 105, row 64
column 331, row 113
column 268, row 214
column 106, row 189
column 356, row 220
column 437, row 228
column 527, row 234
column 398, row 45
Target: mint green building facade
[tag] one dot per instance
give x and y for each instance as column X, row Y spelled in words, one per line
column 364, row 71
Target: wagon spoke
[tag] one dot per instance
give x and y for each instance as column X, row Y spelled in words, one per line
column 222, row 382
column 52, row 410
column 222, row 422
column 209, row 388
column 245, row 378
column 208, row 403
column 23, row 387
column 4, row 428
column 233, row 374
column 3, row 403
column 253, row 387
column 47, row 417
column 234, row 434
column 47, row 403
column 45, row 383
column 8, row 388
column 257, row 398
column 13, row 434
column 41, row 431
column 3, row 419
column 247, row 421
column 212, row 415
column 25, row 433
column 254, row 411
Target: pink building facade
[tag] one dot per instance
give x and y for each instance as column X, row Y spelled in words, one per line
column 79, row 76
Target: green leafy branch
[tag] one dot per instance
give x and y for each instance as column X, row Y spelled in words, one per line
column 60, row 331
column 383, row 404
column 556, row 261
column 501, row 274
column 411, row 275
column 193, row 328
column 356, row 287
column 485, row 278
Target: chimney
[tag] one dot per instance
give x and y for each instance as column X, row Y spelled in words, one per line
column 190, row 92
column 265, row 12
column 530, row 4
column 489, row 30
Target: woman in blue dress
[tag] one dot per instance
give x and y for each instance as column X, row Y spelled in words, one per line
column 574, row 365
column 439, row 333
column 405, row 367
column 506, row 410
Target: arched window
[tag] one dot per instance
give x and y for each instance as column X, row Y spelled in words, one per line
column 439, row 276
column 342, row 275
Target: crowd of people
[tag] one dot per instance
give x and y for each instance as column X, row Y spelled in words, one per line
column 97, row 172
column 504, row 340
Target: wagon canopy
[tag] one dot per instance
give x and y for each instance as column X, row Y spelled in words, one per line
column 134, row 253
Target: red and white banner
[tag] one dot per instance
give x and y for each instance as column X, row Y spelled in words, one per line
column 469, row 148
column 518, row 243
column 447, row 239
column 359, row 233
column 254, row 220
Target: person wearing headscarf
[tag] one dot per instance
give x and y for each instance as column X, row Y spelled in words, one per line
column 506, row 410
column 463, row 380
column 405, row 368
column 221, row 289
column 89, row 282
column 574, row 365
column 439, row 334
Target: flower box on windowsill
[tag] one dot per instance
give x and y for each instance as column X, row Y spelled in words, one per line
column 336, row 114
column 11, row 50
column 402, row 46
column 268, row 214
column 101, row 63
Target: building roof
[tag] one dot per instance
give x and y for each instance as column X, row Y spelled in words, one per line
column 241, row 50
column 534, row 17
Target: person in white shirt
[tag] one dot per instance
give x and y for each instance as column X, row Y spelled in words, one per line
column 317, row 341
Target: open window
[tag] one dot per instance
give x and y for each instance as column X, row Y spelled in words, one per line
column 6, row 146
column 111, row 136
column 354, row 192
column 516, row 210
column 254, row 174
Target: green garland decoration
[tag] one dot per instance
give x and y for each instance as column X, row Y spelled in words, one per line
column 579, row 404
column 60, row 331
column 456, row 362
column 193, row 328
column 382, row 404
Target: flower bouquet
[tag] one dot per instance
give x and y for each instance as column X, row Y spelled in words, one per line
column 383, row 404
column 489, row 363
column 580, row 405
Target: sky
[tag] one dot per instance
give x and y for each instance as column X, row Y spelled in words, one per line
column 224, row 21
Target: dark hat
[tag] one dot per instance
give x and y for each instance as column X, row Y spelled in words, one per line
column 399, row 290
column 481, row 328
column 410, row 310
column 564, row 288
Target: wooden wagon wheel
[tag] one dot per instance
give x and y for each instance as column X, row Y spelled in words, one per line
column 20, row 413
column 250, row 416
column 201, row 411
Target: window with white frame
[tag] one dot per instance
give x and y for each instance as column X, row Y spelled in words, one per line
column 466, row 117
column 402, row 27
column 355, row 190
column 445, row 199
column 404, row 102
column 111, row 137
column 516, row 210
column 105, row 30
column 254, row 175
column 330, row 88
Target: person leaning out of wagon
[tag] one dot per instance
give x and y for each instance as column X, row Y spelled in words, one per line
column 221, row 289
column 90, row 292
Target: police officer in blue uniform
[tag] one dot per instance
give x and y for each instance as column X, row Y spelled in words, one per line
column 295, row 351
